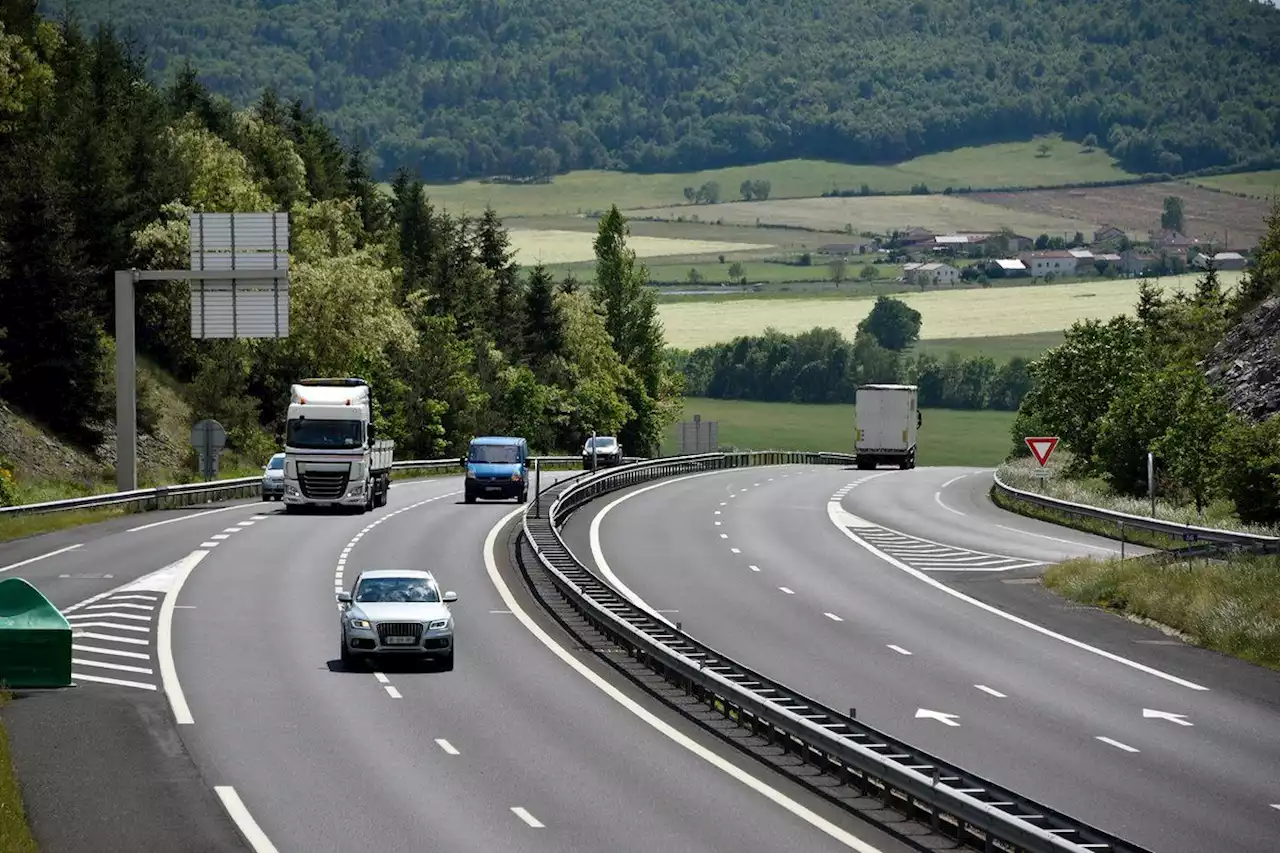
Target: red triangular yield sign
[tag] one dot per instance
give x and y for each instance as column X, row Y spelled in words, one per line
column 1042, row 447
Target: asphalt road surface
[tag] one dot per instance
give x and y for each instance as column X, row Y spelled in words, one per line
column 909, row 596
column 529, row 744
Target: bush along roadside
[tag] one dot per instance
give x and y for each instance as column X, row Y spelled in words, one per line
column 1085, row 524
column 1230, row 606
column 15, row 835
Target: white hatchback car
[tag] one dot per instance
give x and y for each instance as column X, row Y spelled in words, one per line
column 396, row 612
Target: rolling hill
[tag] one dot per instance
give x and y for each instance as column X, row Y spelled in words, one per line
column 466, row 88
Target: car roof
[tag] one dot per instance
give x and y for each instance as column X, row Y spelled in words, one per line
column 397, row 573
column 497, row 439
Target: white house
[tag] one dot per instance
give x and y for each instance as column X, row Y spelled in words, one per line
column 936, row 273
column 1055, row 261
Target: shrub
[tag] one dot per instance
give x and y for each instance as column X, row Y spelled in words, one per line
column 1250, row 471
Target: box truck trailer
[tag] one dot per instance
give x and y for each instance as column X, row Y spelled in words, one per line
column 888, row 418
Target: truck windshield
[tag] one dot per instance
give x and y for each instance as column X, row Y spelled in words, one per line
column 495, row 454
column 316, row 434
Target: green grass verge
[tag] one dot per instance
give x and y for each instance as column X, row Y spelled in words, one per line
column 1262, row 185
column 1015, row 164
column 15, row 835
column 1096, row 526
column 947, row 437
column 1231, row 606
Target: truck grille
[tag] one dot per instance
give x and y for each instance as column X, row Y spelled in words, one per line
column 323, row 485
column 400, row 629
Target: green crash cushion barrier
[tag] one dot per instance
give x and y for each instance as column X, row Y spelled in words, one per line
column 35, row 638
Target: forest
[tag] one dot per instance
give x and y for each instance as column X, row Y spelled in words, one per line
column 99, row 170
column 468, row 88
column 824, row 366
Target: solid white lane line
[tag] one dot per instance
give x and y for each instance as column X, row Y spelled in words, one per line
column 953, row 480
column 985, row 689
column 937, row 497
column 31, row 560
column 446, row 746
column 833, row 617
column 808, row 815
column 1102, row 548
column 187, row 517
column 117, row 666
column 524, row 815
column 392, row 692
column 837, row 516
column 382, row 679
column 1117, row 744
column 164, row 639
column 899, row 649
column 76, row 647
column 244, row 821
column 787, row 591
column 754, row 568
column 80, row 676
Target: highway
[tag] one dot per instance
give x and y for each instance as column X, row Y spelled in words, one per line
column 530, row 744
column 910, row 597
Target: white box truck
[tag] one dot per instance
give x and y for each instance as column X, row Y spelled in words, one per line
column 332, row 457
column 887, row 422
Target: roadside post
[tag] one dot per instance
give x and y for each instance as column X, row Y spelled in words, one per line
column 1042, row 448
column 537, row 487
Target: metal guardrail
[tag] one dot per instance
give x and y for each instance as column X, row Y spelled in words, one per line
column 969, row 809
column 1186, row 532
column 187, row 494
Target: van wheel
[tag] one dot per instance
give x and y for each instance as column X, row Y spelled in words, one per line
column 470, row 498
column 523, row 496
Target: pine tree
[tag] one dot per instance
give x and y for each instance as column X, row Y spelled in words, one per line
column 543, row 327
column 1262, row 280
column 493, row 248
column 373, row 206
column 321, row 152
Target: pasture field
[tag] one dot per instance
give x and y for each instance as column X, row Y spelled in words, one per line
column 882, row 214
column 968, row 313
column 1260, row 185
column 947, row 437
column 1000, row 348
column 1136, row 209
column 1016, row 164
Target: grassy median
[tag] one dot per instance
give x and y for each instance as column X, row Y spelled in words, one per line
column 1231, row 606
column 15, row 835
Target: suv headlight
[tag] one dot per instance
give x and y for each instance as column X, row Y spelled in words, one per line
column 437, row 624
column 363, row 624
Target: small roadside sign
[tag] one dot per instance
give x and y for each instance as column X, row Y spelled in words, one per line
column 1042, row 447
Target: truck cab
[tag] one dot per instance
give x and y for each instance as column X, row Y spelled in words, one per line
column 497, row 468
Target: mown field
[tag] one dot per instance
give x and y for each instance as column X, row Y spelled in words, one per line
column 568, row 247
column 1213, row 216
column 1015, row 164
column 946, row 438
column 969, row 313
column 1261, row 185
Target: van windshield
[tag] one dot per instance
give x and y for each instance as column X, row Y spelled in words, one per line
column 318, row 434
column 495, row 454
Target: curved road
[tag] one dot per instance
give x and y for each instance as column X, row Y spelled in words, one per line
column 530, row 744
column 902, row 592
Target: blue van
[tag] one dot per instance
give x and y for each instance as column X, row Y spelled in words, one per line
column 497, row 468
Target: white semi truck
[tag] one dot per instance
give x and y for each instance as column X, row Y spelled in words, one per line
column 888, row 418
column 332, row 457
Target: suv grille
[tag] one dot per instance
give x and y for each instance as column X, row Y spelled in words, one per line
column 323, row 485
column 400, row 629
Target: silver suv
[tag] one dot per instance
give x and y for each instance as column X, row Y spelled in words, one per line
column 396, row 612
column 273, row 478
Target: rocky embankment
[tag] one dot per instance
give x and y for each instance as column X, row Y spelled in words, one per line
column 1245, row 364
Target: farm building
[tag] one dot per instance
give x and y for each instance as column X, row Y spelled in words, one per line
column 1222, row 261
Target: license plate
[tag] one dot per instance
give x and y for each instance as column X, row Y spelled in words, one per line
column 492, row 489
column 399, row 641
column 322, row 503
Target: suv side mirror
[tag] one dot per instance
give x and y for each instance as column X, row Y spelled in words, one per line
column 450, row 596
column 344, row 597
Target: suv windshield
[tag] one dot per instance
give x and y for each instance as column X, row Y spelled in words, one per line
column 602, row 442
column 381, row 590
column 321, row 434
column 276, row 463
column 498, row 454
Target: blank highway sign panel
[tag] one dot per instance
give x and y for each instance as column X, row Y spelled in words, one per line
column 253, row 309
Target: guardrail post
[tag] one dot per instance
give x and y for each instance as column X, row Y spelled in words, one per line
column 1122, row 540
column 537, row 488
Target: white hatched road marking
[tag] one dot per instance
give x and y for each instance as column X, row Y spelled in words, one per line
column 1117, row 744
column 110, row 633
column 929, row 556
column 524, row 815
column 446, row 746
column 899, row 649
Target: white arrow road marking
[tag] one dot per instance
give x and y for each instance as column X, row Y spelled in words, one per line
column 925, row 714
column 1180, row 719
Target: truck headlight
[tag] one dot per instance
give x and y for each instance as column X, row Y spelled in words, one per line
column 438, row 624
column 362, row 624
column 357, row 470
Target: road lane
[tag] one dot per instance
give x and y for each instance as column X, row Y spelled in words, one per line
column 329, row 759
column 1040, row 738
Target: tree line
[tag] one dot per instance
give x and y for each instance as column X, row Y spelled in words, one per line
column 823, row 366
column 99, row 170
column 1114, row 391
column 461, row 88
